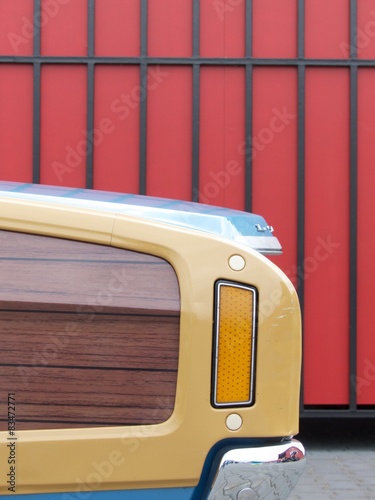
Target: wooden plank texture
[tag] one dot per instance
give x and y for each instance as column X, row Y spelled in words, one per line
column 89, row 334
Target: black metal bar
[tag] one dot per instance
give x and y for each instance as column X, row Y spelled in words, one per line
column 36, row 95
column 144, row 28
column 249, row 107
column 196, row 28
column 301, row 196
column 143, row 61
column 143, row 138
column 36, row 123
column 353, row 52
column 90, row 96
column 196, row 132
column 91, row 28
column 36, row 27
column 249, row 29
column 301, row 166
column 248, row 138
column 90, row 127
column 196, row 102
column 353, row 211
column 301, row 29
column 187, row 61
column 353, row 236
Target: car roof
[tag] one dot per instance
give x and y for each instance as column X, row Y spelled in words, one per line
column 242, row 227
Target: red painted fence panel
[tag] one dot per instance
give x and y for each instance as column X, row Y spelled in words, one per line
column 275, row 28
column 170, row 28
column 64, row 28
column 326, row 263
column 169, row 139
column 16, row 123
column 222, row 28
column 64, row 145
column 222, row 135
column 17, row 27
column 120, row 18
column 274, row 154
column 116, row 149
column 365, row 379
column 326, row 28
column 365, row 33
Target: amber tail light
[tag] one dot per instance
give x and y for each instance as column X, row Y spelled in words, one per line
column 234, row 345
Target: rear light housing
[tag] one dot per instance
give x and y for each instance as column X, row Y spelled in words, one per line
column 234, row 345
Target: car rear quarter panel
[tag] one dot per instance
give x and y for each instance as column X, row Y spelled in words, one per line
column 170, row 454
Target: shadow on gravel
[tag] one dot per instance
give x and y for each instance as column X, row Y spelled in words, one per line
column 337, row 433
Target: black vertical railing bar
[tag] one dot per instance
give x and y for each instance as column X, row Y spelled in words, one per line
column 353, row 50
column 301, row 76
column 248, row 138
column 249, row 28
column 353, row 209
column 353, row 236
column 36, row 95
column 91, row 29
column 196, row 29
column 301, row 199
column 301, row 29
column 143, row 102
column 37, row 29
column 90, row 95
column 195, row 132
column 36, row 122
column 248, row 106
column 90, row 125
column 195, row 102
column 144, row 28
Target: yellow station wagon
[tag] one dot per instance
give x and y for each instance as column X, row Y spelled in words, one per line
column 148, row 350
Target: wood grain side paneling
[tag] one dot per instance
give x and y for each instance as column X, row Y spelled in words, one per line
column 89, row 334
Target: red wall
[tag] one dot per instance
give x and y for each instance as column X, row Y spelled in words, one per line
column 277, row 135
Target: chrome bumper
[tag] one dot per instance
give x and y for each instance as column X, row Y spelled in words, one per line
column 266, row 472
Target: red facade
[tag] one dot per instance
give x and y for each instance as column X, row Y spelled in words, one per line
column 261, row 105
